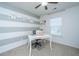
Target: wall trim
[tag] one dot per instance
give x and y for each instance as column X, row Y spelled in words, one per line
column 8, row 47
column 66, row 43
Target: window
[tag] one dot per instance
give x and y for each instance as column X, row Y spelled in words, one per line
column 56, row 26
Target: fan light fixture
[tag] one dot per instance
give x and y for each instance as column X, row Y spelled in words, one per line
column 44, row 3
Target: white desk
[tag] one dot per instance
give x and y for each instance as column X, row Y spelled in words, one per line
column 33, row 37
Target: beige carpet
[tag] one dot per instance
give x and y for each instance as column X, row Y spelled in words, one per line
column 57, row 50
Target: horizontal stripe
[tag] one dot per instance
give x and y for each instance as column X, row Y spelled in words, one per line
column 11, row 40
column 16, row 29
column 16, row 24
column 12, row 46
column 18, row 19
column 4, row 36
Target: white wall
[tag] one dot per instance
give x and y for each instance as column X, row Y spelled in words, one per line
column 15, row 28
column 70, row 26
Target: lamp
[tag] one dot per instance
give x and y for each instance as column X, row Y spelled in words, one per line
column 44, row 3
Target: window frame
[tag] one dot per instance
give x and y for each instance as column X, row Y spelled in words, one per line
column 61, row 28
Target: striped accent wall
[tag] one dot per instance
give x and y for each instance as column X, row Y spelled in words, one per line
column 14, row 31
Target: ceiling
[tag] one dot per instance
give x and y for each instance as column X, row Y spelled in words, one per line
column 30, row 7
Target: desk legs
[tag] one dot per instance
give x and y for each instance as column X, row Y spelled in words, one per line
column 30, row 48
column 50, row 45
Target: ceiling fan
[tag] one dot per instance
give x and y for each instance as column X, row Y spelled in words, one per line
column 45, row 4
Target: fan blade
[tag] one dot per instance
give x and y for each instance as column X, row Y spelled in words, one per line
column 46, row 8
column 37, row 6
column 53, row 2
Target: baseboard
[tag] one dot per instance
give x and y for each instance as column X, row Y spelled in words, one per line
column 22, row 42
column 12, row 46
column 66, row 43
